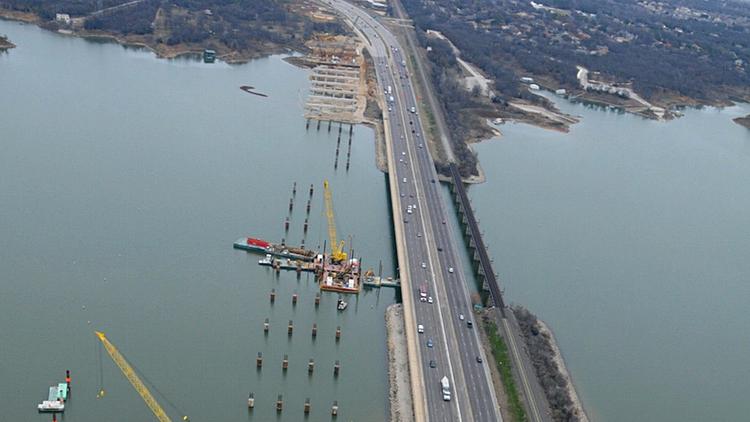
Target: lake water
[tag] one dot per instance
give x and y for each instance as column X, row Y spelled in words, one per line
column 124, row 180
column 632, row 239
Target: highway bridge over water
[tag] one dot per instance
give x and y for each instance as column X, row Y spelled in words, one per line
column 442, row 340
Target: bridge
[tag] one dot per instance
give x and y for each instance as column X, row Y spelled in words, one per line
column 485, row 271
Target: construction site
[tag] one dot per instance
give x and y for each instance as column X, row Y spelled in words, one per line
column 336, row 270
column 338, row 89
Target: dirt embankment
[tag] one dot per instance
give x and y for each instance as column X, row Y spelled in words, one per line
column 398, row 366
column 743, row 121
column 550, row 368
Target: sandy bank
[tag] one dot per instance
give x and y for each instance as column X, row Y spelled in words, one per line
column 398, row 366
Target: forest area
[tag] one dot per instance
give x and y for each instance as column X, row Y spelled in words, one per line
column 690, row 48
column 250, row 26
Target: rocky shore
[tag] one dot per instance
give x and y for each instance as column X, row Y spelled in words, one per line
column 550, row 368
column 398, row 366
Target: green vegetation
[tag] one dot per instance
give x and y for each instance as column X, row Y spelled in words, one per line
column 500, row 353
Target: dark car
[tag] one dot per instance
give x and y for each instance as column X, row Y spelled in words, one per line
column 432, row 364
column 479, row 359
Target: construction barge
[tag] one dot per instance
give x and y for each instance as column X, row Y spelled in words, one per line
column 286, row 264
column 56, row 397
column 333, row 276
column 338, row 276
column 252, row 244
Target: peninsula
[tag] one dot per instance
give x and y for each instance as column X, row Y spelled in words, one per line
column 743, row 121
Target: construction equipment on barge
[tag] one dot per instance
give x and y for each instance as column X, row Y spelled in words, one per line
column 336, row 271
column 337, row 249
column 252, row 244
column 286, row 264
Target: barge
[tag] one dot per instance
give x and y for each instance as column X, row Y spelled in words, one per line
column 56, row 399
column 341, row 277
column 286, row 264
column 252, row 244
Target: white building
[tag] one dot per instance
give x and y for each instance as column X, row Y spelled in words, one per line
column 63, row 18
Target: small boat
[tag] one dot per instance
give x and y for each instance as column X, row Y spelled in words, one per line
column 341, row 305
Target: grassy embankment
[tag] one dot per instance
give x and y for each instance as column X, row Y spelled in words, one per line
column 502, row 360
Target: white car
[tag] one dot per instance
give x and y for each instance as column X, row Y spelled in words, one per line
column 420, row 328
column 429, row 299
column 450, row 270
column 403, row 152
column 461, row 317
column 424, row 265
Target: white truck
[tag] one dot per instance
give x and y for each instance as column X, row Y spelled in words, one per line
column 446, row 387
column 390, row 90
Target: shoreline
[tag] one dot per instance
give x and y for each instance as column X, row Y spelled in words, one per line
column 162, row 51
column 549, row 367
column 560, row 362
column 743, row 121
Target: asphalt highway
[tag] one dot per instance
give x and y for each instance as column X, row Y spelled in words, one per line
column 432, row 261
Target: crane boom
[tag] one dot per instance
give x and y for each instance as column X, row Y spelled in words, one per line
column 130, row 374
column 337, row 249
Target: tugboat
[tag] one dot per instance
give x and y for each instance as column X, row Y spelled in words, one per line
column 341, row 305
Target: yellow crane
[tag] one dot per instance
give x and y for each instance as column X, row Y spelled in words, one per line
column 337, row 249
column 130, row 374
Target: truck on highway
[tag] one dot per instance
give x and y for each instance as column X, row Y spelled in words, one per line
column 445, row 385
column 390, row 90
column 423, row 292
